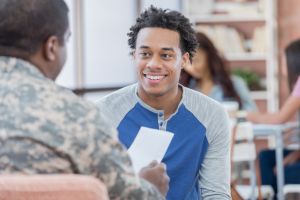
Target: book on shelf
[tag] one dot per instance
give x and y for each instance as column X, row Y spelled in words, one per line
column 233, row 7
column 262, row 4
column 226, row 39
column 259, row 40
column 237, row 8
column 197, row 7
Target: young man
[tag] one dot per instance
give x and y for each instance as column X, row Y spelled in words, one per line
column 163, row 42
column 45, row 128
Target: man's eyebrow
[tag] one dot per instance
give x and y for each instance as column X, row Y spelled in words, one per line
column 144, row 47
column 168, row 49
column 164, row 48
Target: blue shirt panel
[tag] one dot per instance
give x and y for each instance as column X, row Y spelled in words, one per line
column 130, row 125
column 185, row 153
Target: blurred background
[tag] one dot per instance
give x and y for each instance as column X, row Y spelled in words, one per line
column 251, row 34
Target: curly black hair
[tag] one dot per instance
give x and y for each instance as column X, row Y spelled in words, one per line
column 160, row 18
column 292, row 52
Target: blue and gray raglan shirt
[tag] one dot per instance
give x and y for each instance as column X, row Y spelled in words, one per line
column 201, row 142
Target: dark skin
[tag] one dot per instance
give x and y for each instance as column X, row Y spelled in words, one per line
column 51, row 56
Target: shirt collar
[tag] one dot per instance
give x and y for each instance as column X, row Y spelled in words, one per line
column 146, row 106
column 8, row 64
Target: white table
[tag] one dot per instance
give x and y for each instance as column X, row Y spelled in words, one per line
column 276, row 131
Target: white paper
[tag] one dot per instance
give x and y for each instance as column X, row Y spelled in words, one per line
column 149, row 144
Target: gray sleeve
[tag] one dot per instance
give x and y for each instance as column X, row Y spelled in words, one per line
column 244, row 93
column 215, row 169
column 117, row 104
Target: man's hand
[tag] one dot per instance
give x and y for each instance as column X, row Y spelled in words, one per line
column 156, row 174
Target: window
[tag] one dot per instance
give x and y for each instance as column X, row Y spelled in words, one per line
column 103, row 37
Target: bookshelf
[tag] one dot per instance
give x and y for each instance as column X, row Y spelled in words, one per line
column 245, row 31
column 245, row 56
column 226, row 18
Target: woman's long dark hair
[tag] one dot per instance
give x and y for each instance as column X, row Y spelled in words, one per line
column 292, row 53
column 217, row 67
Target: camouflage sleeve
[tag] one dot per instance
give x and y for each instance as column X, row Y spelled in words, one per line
column 117, row 173
column 110, row 162
column 99, row 155
column 56, row 132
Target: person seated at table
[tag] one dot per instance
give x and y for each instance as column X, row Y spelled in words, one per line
column 289, row 109
column 210, row 75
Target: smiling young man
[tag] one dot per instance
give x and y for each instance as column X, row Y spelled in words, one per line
column 197, row 159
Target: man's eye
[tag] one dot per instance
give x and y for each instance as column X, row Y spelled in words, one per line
column 167, row 56
column 144, row 54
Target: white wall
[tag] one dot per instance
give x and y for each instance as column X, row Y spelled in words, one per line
column 165, row 4
column 107, row 59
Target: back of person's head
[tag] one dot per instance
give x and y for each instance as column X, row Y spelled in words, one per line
column 26, row 24
column 167, row 19
column 292, row 52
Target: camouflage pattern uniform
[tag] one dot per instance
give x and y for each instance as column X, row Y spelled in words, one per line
column 46, row 129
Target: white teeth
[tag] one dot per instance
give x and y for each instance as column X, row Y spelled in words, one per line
column 154, row 77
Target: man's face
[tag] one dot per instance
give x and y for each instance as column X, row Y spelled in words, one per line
column 159, row 60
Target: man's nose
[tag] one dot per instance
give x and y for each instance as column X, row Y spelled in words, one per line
column 155, row 62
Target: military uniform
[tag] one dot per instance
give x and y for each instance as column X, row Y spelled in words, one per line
column 46, row 129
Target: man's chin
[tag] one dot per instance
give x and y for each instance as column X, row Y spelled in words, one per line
column 155, row 93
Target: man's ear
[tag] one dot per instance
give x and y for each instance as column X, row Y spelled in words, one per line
column 132, row 53
column 50, row 48
column 185, row 60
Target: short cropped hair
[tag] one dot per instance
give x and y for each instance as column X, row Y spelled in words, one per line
column 172, row 20
column 26, row 24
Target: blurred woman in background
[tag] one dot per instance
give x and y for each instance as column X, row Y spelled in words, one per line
column 289, row 109
column 209, row 74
